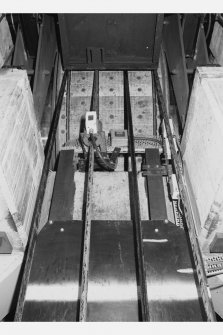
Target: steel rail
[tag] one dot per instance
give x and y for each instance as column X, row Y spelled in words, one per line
column 142, row 290
column 203, row 284
column 87, row 215
column 28, row 256
column 87, row 238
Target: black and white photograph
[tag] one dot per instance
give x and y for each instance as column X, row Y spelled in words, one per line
column 111, row 181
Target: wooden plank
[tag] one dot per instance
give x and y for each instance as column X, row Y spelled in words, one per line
column 198, row 259
column 192, row 200
column 21, row 151
column 106, row 203
column 202, row 146
column 39, row 200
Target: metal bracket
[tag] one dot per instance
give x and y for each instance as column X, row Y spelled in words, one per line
column 157, row 170
column 95, row 55
column 154, row 181
column 99, row 138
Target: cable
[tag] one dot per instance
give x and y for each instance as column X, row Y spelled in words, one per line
column 107, row 165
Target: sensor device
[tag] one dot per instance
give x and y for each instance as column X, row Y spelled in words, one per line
column 91, row 122
column 119, row 138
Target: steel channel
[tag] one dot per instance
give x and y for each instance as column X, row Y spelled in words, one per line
column 27, row 261
column 154, row 106
column 204, row 290
column 158, row 38
column 68, row 106
column 95, row 93
column 87, row 238
column 136, row 210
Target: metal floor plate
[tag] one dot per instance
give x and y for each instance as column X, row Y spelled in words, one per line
column 112, row 290
column 171, row 278
column 52, row 292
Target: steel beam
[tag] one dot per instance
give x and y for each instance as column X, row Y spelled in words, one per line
column 174, row 49
column 68, row 105
column 87, row 238
column 136, row 207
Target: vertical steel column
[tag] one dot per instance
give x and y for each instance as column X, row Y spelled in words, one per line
column 87, row 238
column 27, row 261
column 95, row 93
column 154, row 106
column 136, row 209
column 68, row 106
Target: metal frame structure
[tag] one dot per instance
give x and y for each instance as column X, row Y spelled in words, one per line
column 136, row 217
column 142, row 286
column 94, row 58
column 27, row 262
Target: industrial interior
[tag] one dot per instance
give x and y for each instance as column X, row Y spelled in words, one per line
column 111, row 182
